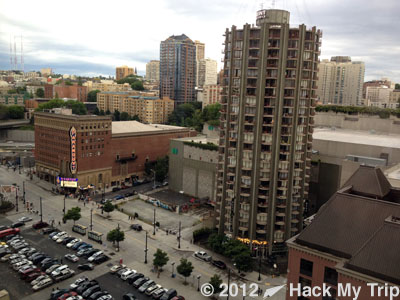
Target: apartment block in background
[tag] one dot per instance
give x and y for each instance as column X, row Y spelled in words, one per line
column 200, row 50
column 122, row 72
column 268, row 100
column 178, row 69
column 46, row 72
column 211, row 94
column 206, row 72
column 379, row 96
column 341, row 81
column 62, row 91
column 107, row 86
column 153, row 70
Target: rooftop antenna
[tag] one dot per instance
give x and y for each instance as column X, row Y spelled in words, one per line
column 22, row 55
column 15, row 55
column 11, row 54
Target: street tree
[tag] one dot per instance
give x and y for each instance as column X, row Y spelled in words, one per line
column 117, row 115
column 73, row 214
column 160, row 259
column 161, row 169
column 185, row 268
column 116, row 235
column 92, row 96
column 16, row 112
column 40, row 93
column 108, row 207
column 124, row 116
column 243, row 261
column 216, row 282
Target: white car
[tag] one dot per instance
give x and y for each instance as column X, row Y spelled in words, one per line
column 202, row 255
column 61, row 235
column 74, row 298
column 42, row 284
column 66, row 273
column 73, row 242
column 25, row 219
column 124, row 276
column 78, row 282
column 52, row 268
column 40, row 278
column 71, row 257
column 152, row 289
column 93, row 257
column 58, row 270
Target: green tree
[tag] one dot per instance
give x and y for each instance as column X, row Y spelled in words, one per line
column 216, row 242
column 92, row 96
column 216, row 282
column 108, row 207
column 12, row 91
column 30, row 95
column 243, row 261
column 135, row 118
column 68, row 82
column 185, row 268
column 116, row 235
column 160, row 259
column 3, row 112
column 73, row 214
column 96, row 111
column 161, row 168
column 102, row 113
column 51, row 104
column 108, row 112
column 124, row 116
column 40, row 93
column 117, row 115
column 397, row 86
column 16, row 112
column 137, row 85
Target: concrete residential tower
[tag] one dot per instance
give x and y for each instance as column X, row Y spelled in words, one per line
column 153, row 70
column 268, row 99
column 178, row 69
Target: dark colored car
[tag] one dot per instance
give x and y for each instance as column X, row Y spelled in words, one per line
column 67, row 240
column 77, row 245
column 90, row 291
column 86, row 267
column 116, row 189
column 100, row 259
column 48, row 230
column 129, row 194
column 57, row 293
column 86, row 285
column 32, row 276
column 119, row 197
column 17, row 224
column 140, row 281
column 171, row 293
column 219, row 264
column 90, row 253
column 49, row 264
column 97, row 295
column 39, row 259
column 40, row 225
column 134, row 278
column 137, row 227
column 129, row 296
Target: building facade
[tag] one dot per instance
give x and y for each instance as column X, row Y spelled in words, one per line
column 153, row 70
column 352, row 240
column 95, row 150
column 200, row 50
column 341, row 81
column 211, row 94
column 46, row 72
column 13, row 99
column 147, row 107
column 206, row 72
column 122, row 72
column 378, row 96
column 61, row 91
column 178, row 69
column 107, row 86
column 268, row 100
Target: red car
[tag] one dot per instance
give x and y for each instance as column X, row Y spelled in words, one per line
column 67, row 295
column 40, row 225
column 178, row 298
column 29, row 271
column 33, row 276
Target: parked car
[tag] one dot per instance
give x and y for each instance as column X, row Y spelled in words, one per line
column 40, row 278
column 71, row 257
column 178, row 298
column 24, row 219
column 202, row 255
column 59, row 235
column 92, row 258
column 83, row 252
column 68, row 240
column 129, row 296
column 42, row 284
column 146, row 285
column 40, row 225
column 84, row 286
column 52, row 268
column 90, row 291
column 171, row 293
column 17, row 224
column 157, row 294
column 118, row 197
column 127, row 273
column 152, row 289
column 78, row 282
column 77, row 245
column 64, row 274
column 219, row 264
column 140, row 281
column 87, row 267
column 106, row 297
column 100, row 259
column 132, row 278
column 97, row 295
column 116, row 189
column 57, row 293
column 116, row 268
column 54, row 233
column 32, row 276
column 137, row 227
column 58, row 270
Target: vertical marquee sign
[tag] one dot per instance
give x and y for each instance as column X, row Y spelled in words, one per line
column 73, row 164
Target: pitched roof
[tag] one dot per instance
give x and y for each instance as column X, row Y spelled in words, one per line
column 369, row 181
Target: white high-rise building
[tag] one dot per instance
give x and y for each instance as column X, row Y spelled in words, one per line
column 206, row 72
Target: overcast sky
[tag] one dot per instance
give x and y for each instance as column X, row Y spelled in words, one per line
column 92, row 37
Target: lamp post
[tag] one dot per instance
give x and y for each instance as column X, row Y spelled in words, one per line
column 118, row 239
column 16, row 198
column 154, row 222
column 259, row 264
column 198, row 282
column 41, row 211
column 145, row 251
column 64, row 208
column 179, row 236
column 154, row 181
column 229, row 281
column 91, row 219
column 23, row 189
column 173, row 264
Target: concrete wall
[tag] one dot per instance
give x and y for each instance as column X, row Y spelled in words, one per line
column 16, row 135
column 360, row 122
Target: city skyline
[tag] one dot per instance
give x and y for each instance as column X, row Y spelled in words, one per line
column 80, row 42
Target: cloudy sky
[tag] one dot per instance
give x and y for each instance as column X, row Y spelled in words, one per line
column 90, row 37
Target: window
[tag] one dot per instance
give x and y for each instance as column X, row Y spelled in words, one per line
column 175, row 151
column 306, row 267
column 330, row 276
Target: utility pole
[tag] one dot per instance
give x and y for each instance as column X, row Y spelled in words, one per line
column 179, row 236
column 118, row 240
column 16, row 198
column 41, row 211
column 91, row 219
column 145, row 251
column 154, row 223
column 23, row 189
column 229, row 281
column 259, row 264
column 64, row 207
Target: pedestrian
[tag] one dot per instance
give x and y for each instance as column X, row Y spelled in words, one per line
column 61, row 261
column 59, row 223
column 84, row 202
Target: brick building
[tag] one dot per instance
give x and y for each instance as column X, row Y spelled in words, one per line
column 61, row 91
column 103, row 152
column 353, row 239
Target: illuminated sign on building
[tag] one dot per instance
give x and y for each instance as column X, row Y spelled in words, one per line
column 67, row 182
column 73, row 164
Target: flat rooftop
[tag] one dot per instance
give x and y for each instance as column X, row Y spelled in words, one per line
column 198, row 139
column 357, row 137
column 128, row 127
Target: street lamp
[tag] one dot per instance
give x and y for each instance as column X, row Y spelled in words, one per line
column 16, row 198
column 179, row 236
column 91, row 219
column 198, row 282
column 145, row 251
column 41, row 211
column 229, row 281
column 23, row 189
column 154, row 222
column 173, row 264
column 259, row 264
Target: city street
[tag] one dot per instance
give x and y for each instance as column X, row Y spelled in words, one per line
column 132, row 248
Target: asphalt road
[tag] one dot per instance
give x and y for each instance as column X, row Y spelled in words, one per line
column 139, row 188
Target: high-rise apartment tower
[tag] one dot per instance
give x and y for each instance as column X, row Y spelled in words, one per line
column 268, row 100
column 178, row 69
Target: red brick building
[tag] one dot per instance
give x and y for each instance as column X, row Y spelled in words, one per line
column 101, row 152
column 353, row 241
column 66, row 91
